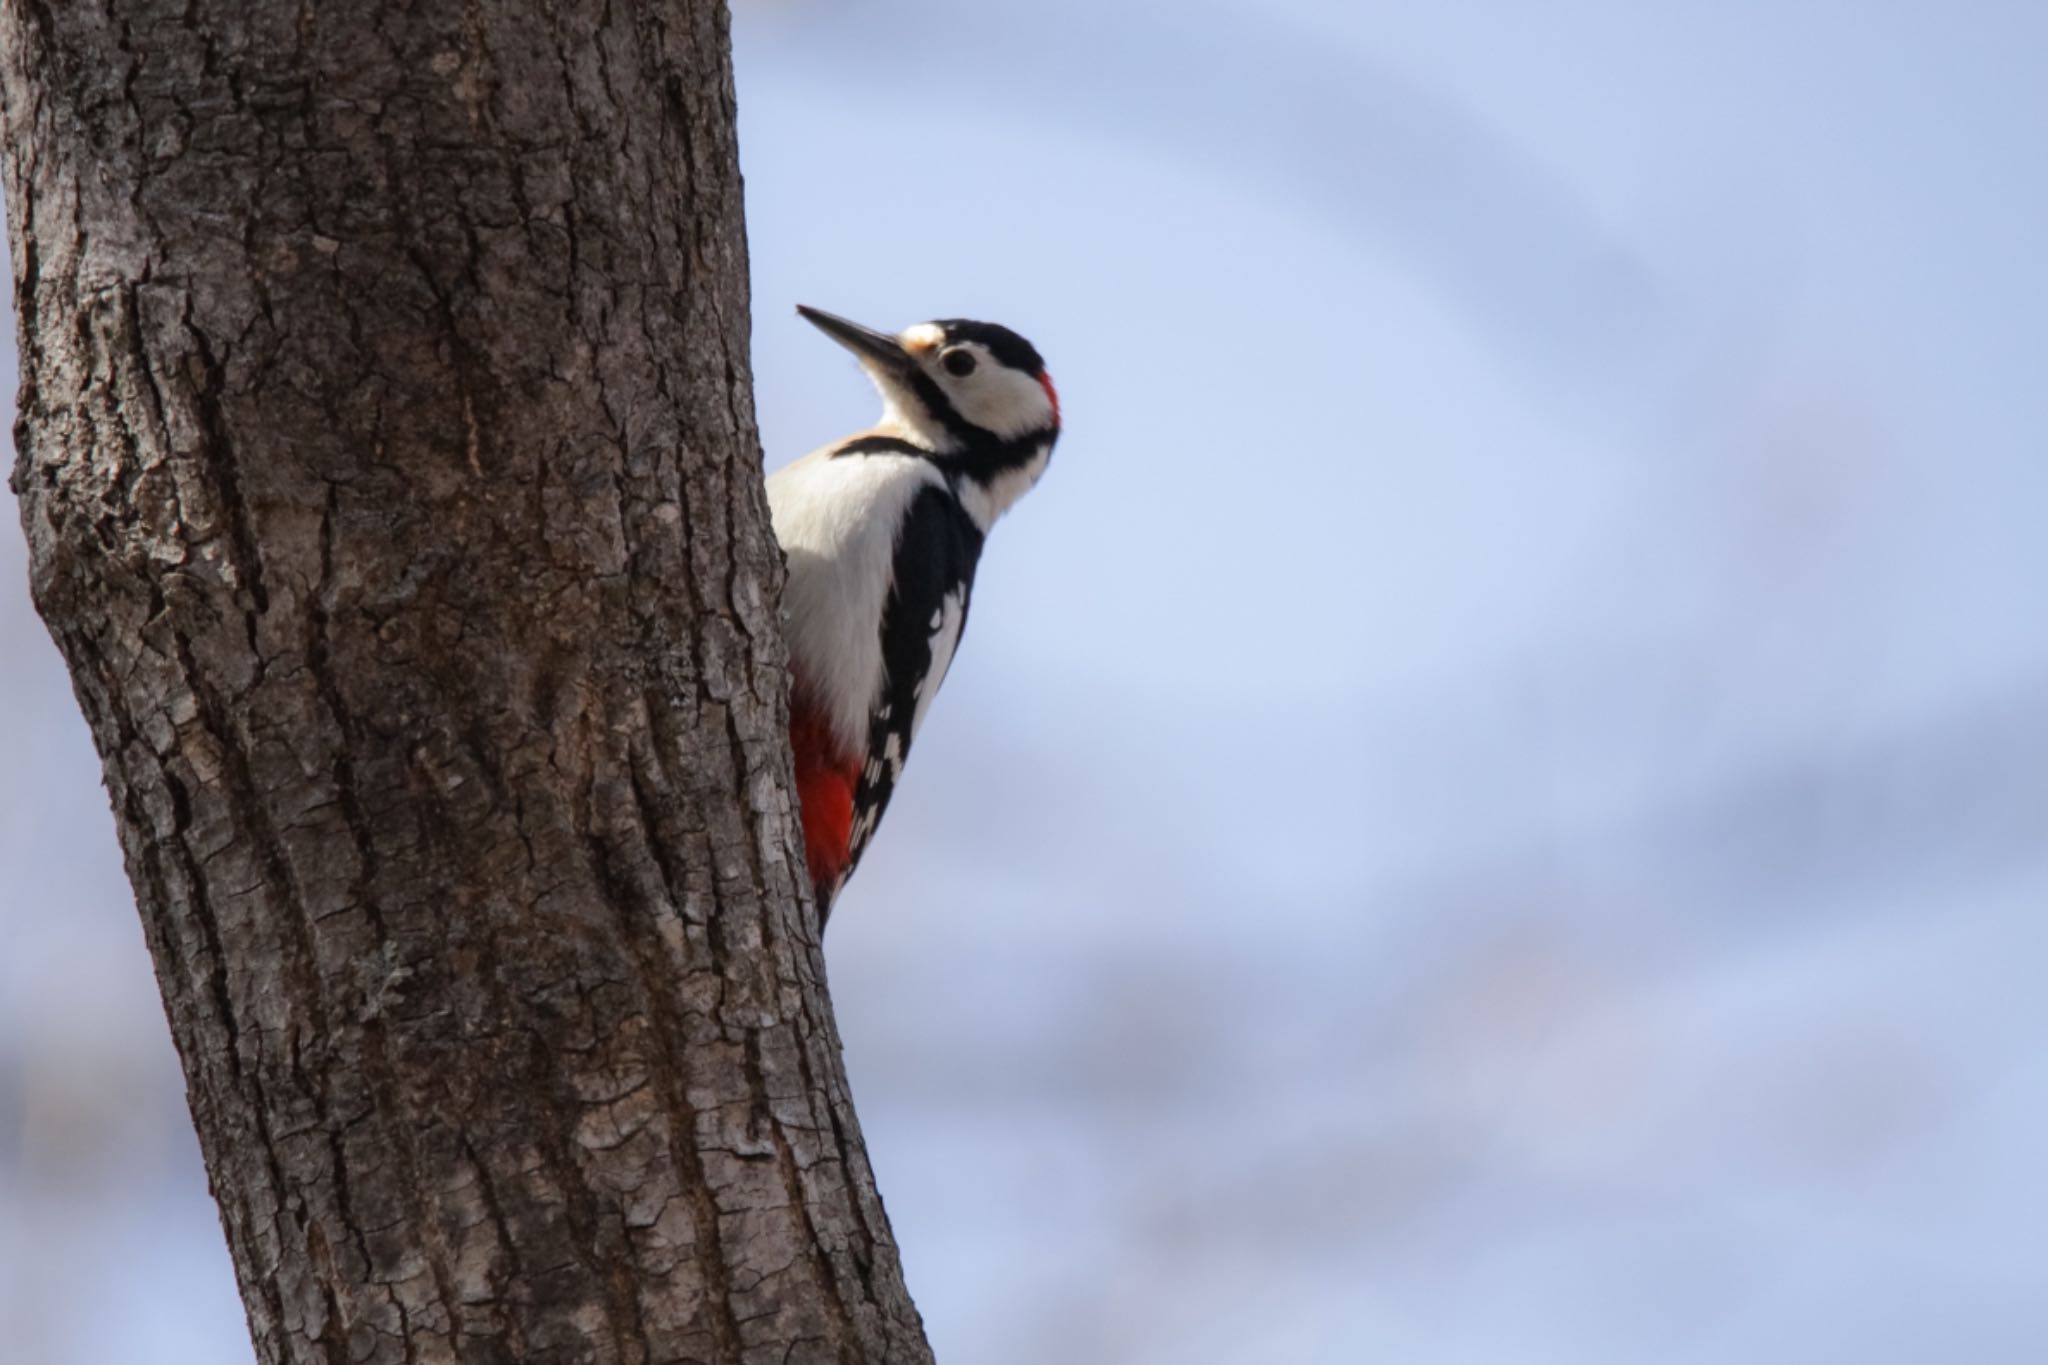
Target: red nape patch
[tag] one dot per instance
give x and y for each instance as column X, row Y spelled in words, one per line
column 825, row 780
column 1052, row 395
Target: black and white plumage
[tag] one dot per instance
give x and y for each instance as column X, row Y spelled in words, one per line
column 883, row 531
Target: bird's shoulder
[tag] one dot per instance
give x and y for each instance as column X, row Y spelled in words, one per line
column 829, row 495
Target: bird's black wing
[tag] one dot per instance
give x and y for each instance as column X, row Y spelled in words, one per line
column 926, row 615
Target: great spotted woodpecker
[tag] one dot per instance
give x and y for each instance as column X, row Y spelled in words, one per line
column 882, row 531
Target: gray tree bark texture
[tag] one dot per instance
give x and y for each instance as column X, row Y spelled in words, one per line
column 388, row 465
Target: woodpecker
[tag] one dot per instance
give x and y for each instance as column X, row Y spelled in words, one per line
column 882, row 531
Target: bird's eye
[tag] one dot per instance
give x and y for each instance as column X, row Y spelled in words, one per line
column 960, row 362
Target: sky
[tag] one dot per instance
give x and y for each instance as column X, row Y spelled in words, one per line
column 1495, row 806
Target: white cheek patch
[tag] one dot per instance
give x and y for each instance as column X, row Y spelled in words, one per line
column 1008, row 402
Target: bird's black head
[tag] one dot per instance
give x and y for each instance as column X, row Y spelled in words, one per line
column 954, row 383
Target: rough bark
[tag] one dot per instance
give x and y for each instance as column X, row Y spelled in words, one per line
column 387, row 459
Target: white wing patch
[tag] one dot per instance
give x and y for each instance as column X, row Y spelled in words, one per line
column 837, row 521
column 946, row 624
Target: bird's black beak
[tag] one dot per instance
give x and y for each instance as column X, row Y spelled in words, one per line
column 878, row 349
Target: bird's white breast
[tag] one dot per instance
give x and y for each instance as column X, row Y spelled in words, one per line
column 838, row 521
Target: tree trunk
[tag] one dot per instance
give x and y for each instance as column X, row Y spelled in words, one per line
column 388, row 464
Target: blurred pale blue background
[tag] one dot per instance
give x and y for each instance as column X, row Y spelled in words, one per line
column 1496, row 805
